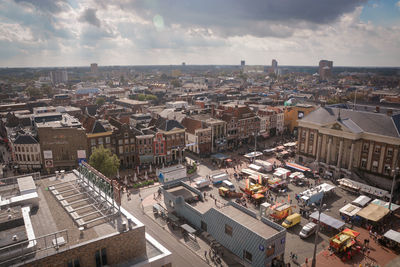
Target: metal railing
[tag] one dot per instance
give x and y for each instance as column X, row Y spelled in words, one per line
column 20, row 252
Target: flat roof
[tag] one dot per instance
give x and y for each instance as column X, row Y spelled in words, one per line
column 131, row 101
column 249, row 222
column 182, row 191
column 26, row 184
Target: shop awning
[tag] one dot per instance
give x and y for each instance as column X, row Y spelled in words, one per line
column 393, row 235
column 385, row 204
column 255, row 167
column 361, row 201
column 373, row 212
column 350, row 210
column 219, row 156
column 188, row 228
column 351, row 232
column 327, row 220
column 297, row 167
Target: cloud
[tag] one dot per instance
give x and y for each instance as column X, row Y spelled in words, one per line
column 89, row 16
column 238, row 17
column 48, row 6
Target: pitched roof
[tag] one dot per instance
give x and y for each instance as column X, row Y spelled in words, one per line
column 165, row 124
column 25, row 139
column 357, row 121
column 98, row 128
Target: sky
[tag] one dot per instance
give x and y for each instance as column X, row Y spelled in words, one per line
column 56, row 33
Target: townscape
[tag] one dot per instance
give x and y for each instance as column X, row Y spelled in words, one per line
column 199, row 133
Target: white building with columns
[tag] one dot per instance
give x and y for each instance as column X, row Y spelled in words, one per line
column 346, row 141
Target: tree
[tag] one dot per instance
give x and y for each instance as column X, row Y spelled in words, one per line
column 100, row 101
column 46, row 89
column 176, row 83
column 33, row 91
column 104, row 161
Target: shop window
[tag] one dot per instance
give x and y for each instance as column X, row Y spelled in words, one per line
column 270, row 250
column 228, row 230
column 247, row 256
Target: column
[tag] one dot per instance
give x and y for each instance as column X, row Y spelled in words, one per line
column 351, row 156
column 315, row 144
column 395, row 152
column 381, row 158
column 340, row 154
column 328, row 155
column 370, row 151
column 306, row 143
column 319, row 147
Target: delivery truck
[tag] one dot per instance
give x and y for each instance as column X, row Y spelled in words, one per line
column 219, row 177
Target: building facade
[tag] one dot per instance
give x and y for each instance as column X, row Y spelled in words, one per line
column 346, row 141
column 26, row 150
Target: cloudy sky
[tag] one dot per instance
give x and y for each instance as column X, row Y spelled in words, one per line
column 149, row 32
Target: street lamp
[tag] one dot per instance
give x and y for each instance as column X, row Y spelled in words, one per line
column 319, row 209
column 394, row 171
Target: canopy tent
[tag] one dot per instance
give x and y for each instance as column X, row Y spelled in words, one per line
column 350, row 232
column 297, row 175
column 373, row 212
column 325, row 187
column 347, row 183
column 328, row 220
column 253, row 173
column 255, row 167
column 361, row 201
column 290, row 144
column 393, row 235
column 350, row 210
column 188, row 228
column 219, row 156
column 270, row 150
column 253, row 154
column 297, row 167
column 385, row 204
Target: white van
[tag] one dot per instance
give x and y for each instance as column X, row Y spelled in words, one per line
column 202, row 183
column 229, row 185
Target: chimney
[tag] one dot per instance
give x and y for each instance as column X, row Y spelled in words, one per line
column 389, row 112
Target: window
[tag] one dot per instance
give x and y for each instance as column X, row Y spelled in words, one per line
column 132, row 148
column 365, row 147
column 140, row 142
column 377, row 149
column 132, row 140
column 74, row 263
column 126, row 135
column 92, row 142
column 303, row 134
column 386, row 169
column 121, row 149
column 24, row 157
column 374, row 166
column 228, row 230
column 126, row 141
column 311, row 136
column 120, row 142
column 28, row 158
column 100, row 140
column 101, row 257
column 389, row 152
column 247, row 256
column 107, row 140
column 364, row 163
column 270, row 250
column 22, row 149
column 127, row 149
column 31, row 149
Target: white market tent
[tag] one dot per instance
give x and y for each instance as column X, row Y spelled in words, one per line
column 393, row 235
column 350, row 210
column 373, row 212
column 255, row 167
column 325, row 187
column 356, row 186
column 385, row 204
column 361, row 201
column 253, row 154
column 328, row 220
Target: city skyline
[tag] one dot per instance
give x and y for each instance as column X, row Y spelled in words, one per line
column 296, row 33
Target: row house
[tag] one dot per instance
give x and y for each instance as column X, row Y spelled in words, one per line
column 348, row 141
column 273, row 117
column 97, row 134
column 242, row 123
column 26, row 152
column 197, row 136
column 173, row 140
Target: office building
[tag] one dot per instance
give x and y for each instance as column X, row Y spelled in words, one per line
column 59, row 76
column 94, row 68
column 325, row 69
column 242, row 63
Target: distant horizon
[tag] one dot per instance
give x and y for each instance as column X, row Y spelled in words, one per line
column 186, row 65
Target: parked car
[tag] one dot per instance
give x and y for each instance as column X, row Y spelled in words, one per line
column 308, row 230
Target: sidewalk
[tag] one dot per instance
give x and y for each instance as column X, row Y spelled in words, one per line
column 198, row 246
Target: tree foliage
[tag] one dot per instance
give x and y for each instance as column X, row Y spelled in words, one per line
column 33, row 91
column 100, row 101
column 144, row 97
column 104, row 161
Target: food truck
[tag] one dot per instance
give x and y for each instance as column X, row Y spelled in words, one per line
column 344, row 241
column 225, row 192
column 280, row 211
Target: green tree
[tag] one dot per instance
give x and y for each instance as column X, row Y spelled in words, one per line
column 46, row 89
column 33, row 91
column 100, row 101
column 104, row 161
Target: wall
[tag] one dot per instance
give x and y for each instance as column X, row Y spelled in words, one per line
column 121, row 247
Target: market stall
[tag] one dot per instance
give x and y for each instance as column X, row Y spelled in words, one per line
column 349, row 212
column 344, row 242
column 373, row 212
column 361, row 201
column 327, row 220
column 392, row 239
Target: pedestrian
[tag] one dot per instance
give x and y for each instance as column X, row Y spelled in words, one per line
column 205, row 254
column 368, row 251
column 291, row 255
column 306, row 260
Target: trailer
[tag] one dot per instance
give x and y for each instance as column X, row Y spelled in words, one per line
column 225, row 192
column 267, row 166
column 219, row 177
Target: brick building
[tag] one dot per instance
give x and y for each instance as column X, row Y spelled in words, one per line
column 198, row 136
